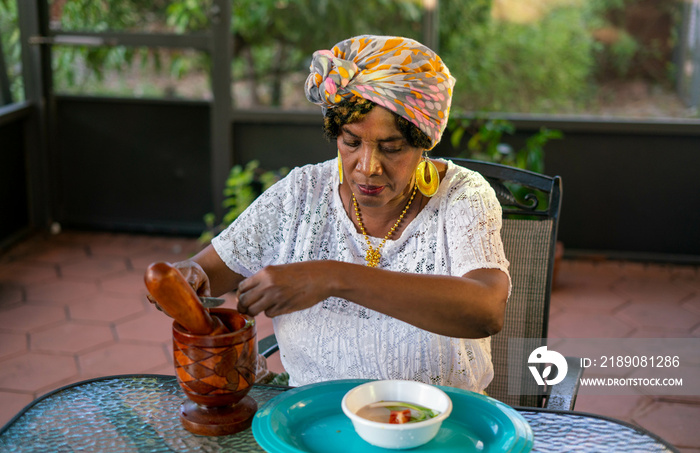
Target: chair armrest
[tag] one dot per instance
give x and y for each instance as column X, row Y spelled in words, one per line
column 268, row 345
column 563, row 395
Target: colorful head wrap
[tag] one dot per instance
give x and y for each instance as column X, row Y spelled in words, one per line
column 397, row 73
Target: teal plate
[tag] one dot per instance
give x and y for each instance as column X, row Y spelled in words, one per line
column 309, row 419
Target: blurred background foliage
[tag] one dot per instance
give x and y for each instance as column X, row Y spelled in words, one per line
column 243, row 185
column 543, row 65
column 10, row 46
column 529, row 56
column 487, row 141
column 274, row 39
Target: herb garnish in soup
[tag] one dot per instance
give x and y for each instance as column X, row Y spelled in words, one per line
column 396, row 412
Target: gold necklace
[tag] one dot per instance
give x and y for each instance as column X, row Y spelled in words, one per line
column 373, row 254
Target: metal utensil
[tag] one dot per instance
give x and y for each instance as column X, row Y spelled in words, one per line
column 211, row 302
column 207, row 302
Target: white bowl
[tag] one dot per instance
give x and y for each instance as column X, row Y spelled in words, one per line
column 397, row 436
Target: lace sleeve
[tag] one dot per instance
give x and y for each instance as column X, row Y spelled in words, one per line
column 474, row 226
column 253, row 240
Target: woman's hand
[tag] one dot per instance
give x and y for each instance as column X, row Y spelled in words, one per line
column 471, row 306
column 195, row 277
column 207, row 274
column 277, row 290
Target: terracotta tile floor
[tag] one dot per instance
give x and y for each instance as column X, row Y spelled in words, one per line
column 73, row 307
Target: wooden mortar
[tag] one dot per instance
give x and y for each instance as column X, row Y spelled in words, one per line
column 215, row 356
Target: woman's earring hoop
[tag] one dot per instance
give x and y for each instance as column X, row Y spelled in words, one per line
column 430, row 186
column 340, row 168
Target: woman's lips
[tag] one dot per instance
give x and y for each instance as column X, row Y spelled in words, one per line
column 370, row 190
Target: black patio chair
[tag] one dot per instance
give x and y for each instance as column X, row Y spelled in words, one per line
column 531, row 203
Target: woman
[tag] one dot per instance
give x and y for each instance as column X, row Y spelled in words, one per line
column 369, row 265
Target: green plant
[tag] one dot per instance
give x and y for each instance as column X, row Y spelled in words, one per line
column 271, row 38
column 243, row 186
column 275, row 38
column 87, row 69
column 486, row 142
column 11, row 48
column 623, row 52
column 541, row 66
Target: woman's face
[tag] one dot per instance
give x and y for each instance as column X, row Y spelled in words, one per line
column 378, row 163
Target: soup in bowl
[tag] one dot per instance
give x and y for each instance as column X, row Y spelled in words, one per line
column 396, row 414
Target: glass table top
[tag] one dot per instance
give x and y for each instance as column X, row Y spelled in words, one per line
column 141, row 413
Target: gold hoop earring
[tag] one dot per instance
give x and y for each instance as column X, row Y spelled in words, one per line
column 427, row 187
column 340, row 168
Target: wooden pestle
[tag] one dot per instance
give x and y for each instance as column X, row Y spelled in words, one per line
column 177, row 298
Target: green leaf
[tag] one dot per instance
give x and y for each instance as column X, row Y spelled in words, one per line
column 456, row 137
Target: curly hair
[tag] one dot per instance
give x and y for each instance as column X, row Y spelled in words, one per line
column 355, row 108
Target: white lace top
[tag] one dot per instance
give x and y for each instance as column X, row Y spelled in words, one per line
column 301, row 218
